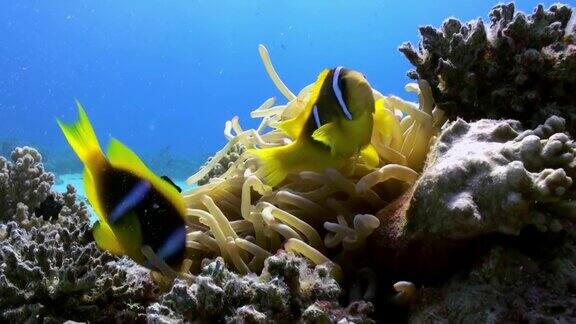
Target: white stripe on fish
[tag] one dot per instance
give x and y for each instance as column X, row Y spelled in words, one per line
column 338, row 93
column 316, row 116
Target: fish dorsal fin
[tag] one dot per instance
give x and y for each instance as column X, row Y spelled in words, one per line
column 293, row 127
column 92, row 195
column 121, row 157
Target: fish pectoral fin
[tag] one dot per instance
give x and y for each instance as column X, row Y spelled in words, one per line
column 124, row 158
column 272, row 169
column 334, row 137
column 122, row 238
column 106, row 239
column 128, row 231
column 369, row 156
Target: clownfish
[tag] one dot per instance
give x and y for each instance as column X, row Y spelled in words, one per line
column 335, row 124
column 135, row 207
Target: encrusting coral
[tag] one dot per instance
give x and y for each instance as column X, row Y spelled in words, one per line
column 483, row 181
column 494, row 174
column 50, row 268
column 325, row 216
column 520, row 66
column 510, row 187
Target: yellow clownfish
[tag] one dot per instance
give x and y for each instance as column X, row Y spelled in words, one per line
column 335, row 124
column 135, row 207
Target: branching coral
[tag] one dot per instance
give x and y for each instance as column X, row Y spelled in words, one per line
column 288, row 290
column 50, row 268
column 23, row 182
column 238, row 217
column 520, row 66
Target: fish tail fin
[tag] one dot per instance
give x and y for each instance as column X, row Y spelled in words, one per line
column 272, row 160
column 278, row 162
column 83, row 140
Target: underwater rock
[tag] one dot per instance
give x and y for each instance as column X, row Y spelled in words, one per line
column 530, row 284
column 520, row 66
column 50, row 268
column 489, row 226
column 483, row 180
column 288, row 290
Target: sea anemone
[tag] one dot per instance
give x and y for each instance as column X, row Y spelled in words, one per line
column 325, row 216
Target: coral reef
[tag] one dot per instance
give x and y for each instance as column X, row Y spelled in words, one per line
column 324, row 216
column 288, row 290
column 520, row 66
column 50, row 267
column 51, row 270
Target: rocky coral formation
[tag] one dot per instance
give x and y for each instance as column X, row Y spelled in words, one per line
column 491, row 177
column 51, row 269
column 483, row 180
column 520, row 66
column 287, row 291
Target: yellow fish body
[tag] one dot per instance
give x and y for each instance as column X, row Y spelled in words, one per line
column 135, row 207
column 335, row 124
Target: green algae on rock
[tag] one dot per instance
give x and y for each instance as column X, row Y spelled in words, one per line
column 520, row 66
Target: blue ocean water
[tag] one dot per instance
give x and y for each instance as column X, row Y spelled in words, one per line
column 164, row 76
